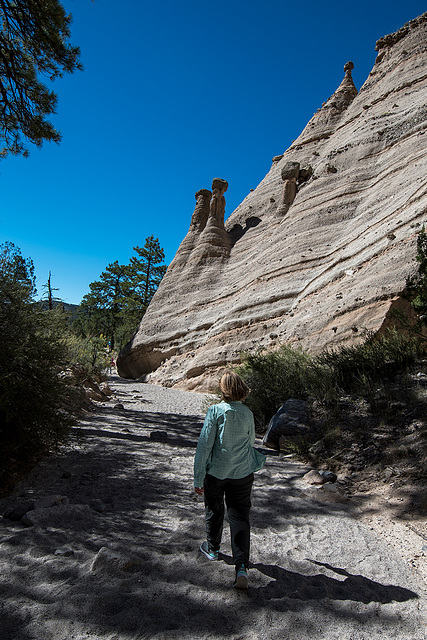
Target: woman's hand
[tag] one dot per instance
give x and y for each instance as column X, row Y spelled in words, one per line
column 199, row 490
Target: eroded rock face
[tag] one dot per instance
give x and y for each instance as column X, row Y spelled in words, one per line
column 198, row 223
column 331, row 263
column 214, row 241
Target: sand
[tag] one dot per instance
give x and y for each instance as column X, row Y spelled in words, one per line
column 116, row 558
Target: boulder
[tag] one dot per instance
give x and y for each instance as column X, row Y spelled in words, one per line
column 313, row 477
column 291, row 422
column 17, row 510
column 319, row 477
column 328, row 476
column 290, row 170
column 330, row 493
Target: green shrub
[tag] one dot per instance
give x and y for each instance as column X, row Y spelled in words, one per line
column 416, row 286
column 377, row 360
column 278, row 375
column 90, row 353
column 31, row 355
column 273, row 377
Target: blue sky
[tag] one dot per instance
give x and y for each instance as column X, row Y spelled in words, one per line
column 173, row 95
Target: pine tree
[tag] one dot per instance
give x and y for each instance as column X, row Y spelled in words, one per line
column 101, row 308
column 149, row 269
column 33, row 43
column 118, row 300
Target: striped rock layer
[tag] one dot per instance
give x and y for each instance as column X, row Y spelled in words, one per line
column 319, row 252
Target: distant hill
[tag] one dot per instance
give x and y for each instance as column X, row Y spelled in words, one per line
column 72, row 309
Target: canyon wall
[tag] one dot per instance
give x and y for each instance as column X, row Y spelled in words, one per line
column 319, row 252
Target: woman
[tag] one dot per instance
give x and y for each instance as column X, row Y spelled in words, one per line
column 224, row 464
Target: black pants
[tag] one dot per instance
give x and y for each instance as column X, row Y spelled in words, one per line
column 238, row 500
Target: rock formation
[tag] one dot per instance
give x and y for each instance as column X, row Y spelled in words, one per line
column 198, row 223
column 214, row 241
column 320, row 251
column 289, row 173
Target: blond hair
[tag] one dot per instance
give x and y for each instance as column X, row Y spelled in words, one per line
column 233, row 387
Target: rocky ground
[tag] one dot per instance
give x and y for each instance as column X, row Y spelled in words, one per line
column 101, row 542
column 379, row 450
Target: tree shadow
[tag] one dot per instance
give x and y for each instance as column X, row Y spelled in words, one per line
column 357, row 588
column 130, row 424
column 384, row 439
column 280, row 499
column 150, row 512
column 13, row 626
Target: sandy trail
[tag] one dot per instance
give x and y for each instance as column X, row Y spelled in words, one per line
column 120, row 561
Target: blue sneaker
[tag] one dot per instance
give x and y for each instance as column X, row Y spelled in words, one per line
column 241, row 581
column 211, row 554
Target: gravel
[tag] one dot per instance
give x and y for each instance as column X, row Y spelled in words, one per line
column 150, row 397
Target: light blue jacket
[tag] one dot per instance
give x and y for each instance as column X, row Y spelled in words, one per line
column 225, row 447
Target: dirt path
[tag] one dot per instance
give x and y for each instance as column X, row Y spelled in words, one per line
column 119, row 559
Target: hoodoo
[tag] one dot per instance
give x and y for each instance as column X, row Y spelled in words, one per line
column 319, row 252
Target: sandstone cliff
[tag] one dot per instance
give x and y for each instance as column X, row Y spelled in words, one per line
column 319, row 251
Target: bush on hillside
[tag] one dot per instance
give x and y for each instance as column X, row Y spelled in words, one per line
column 273, row 377
column 417, row 284
column 290, row 373
column 33, row 350
column 377, row 360
column 88, row 352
